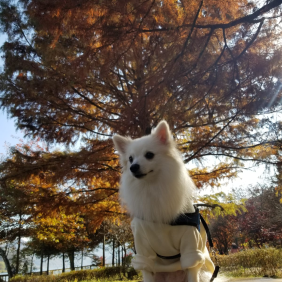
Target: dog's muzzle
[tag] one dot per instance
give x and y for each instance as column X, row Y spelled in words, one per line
column 135, row 169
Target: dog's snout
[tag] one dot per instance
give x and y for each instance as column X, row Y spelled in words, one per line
column 134, row 168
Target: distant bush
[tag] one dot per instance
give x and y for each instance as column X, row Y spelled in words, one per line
column 2, row 267
column 107, row 273
column 253, row 262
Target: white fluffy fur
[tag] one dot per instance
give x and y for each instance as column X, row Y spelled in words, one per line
column 163, row 193
column 166, row 191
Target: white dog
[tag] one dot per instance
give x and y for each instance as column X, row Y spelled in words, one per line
column 156, row 189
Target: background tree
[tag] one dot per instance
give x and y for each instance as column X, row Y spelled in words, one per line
column 261, row 223
column 224, row 230
column 49, row 216
column 220, row 204
column 61, row 233
column 222, row 215
column 253, row 224
column 120, row 236
column 16, row 223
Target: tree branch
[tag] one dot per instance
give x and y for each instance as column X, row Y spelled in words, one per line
column 190, row 33
column 251, row 18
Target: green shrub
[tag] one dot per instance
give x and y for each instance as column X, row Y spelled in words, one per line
column 107, row 273
column 253, row 262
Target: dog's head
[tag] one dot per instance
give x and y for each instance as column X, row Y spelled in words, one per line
column 155, row 185
column 142, row 158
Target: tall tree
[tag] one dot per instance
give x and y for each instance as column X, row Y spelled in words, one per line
column 224, row 230
column 262, row 222
column 77, row 72
column 8, row 267
column 15, row 219
column 223, row 218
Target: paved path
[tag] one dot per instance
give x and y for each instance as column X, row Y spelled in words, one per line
column 222, row 278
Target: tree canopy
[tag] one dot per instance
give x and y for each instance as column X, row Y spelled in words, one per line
column 77, row 72
column 255, row 224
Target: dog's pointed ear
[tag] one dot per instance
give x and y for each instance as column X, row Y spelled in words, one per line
column 121, row 143
column 162, row 132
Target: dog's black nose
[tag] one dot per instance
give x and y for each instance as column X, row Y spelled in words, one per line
column 134, row 168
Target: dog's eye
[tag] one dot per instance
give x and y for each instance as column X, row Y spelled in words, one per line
column 149, row 155
column 130, row 159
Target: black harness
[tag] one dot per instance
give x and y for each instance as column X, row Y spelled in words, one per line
column 193, row 219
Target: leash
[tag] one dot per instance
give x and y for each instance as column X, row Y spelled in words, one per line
column 216, row 269
column 194, row 219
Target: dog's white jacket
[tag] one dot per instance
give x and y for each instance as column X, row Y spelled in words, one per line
column 166, row 240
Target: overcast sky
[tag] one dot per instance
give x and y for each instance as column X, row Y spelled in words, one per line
column 8, row 133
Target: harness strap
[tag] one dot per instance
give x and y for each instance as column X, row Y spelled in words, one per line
column 180, row 221
column 207, row 231
column 193, row 219
column 214, row 275
column 169, row 257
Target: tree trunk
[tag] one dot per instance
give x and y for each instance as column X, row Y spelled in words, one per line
column 19, row 245
column 41, row 259
column 118, row 254
column 122, row 256
column 48, row 260
column 113, row 257
column 104, row 243
column 64, row 267
column 31, row 264
column 71, row 257
column 124, row 260
column 7, row 263
column 81, row 259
